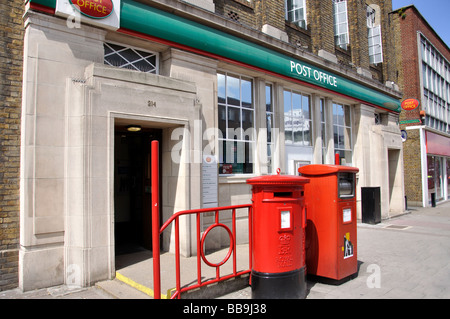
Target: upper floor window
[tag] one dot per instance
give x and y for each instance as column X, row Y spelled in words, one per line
column 296, row 12
column 249, row 3
column 341, row 33
column 374, row 36
column 130, row 58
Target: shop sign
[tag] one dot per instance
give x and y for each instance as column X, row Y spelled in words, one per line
column 102, row 13
column 410, row 104
column 309, row 72
column 95, row 9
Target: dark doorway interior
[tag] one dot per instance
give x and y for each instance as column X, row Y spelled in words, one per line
column 132, row 189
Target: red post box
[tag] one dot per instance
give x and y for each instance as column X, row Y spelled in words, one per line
column 278, row 236
column 330, row 197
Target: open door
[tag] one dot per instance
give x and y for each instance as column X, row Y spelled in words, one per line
column 132, row 189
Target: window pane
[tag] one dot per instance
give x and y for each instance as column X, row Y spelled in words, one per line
column 269, row 125
column 347, row 116
column 233, row 92
column 145, row 65
column 298, row 127
column 269, row 107
column 221, row 88
column 223, row 120
column 129, row 58
column 247, row 123
column 287, row 103
column 234, row 122
column 296, row 104
column 288, row 129
column 306, row 106
column 341, row 143
column 336, row 136
column 307, row 134
column 237, row 158
column 247, row 98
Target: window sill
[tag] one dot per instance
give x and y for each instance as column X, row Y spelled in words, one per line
column 297, row 28
column 245, row 3
column 347, row 52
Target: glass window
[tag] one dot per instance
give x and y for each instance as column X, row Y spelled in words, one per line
column 323, row 130
column 375, row 45
column 341, row 33
column 297, row 118
column 296, row 12
column 236, row 124
column 342, row 130
column 130, row 58
column 269, row 126
column 448, row 178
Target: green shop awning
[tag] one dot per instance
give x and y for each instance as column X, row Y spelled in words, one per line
column 141, row 18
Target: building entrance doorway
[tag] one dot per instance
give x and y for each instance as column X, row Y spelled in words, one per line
column 132, row 188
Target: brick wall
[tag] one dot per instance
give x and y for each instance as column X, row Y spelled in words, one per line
column 320, row 18
column 412, row 164
column 320, row 30
column 237, row 10
column 11, row 52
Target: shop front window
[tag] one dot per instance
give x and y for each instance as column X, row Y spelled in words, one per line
column 435, row 177
column 269, row 126
column 342, row 129
column 297, row 118
column 236, row 124
column 448, row 177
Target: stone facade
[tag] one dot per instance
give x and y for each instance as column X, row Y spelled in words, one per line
column 11, row 56
column 76, row 108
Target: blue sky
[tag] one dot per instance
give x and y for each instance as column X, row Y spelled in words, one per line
column 434, row 11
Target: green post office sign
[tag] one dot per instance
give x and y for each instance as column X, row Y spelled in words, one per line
column 141, row 18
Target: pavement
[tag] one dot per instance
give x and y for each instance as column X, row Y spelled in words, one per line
column 406, row 257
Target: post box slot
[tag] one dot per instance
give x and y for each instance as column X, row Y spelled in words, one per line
column 282, row 194
column 346, row 185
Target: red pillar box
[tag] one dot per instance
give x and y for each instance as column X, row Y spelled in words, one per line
column 278, row 236
column 330, row 198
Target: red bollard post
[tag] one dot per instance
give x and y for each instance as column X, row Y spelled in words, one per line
column 155, row 220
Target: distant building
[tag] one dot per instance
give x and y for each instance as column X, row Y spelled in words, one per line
column 424, row 75
column 261, row 85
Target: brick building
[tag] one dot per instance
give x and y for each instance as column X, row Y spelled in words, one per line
column 255, row 85
column 424, row 76
column 11, row 56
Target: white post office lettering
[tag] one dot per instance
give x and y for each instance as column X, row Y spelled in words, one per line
column 308, row 72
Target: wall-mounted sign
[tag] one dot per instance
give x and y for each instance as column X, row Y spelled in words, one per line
column 410, row 104
column 417, row 121
column 404, row 135
column 95, row 9
column 102, row 13
column 210, row 173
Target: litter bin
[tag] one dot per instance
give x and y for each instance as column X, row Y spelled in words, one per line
column 330, row 199
column 278, row 236
column 371, row 205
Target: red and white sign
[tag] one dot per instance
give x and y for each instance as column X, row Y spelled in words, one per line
column 410, row 104
column 96, row 9
column 102, row 13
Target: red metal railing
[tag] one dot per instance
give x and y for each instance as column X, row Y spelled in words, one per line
column 157, row 231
